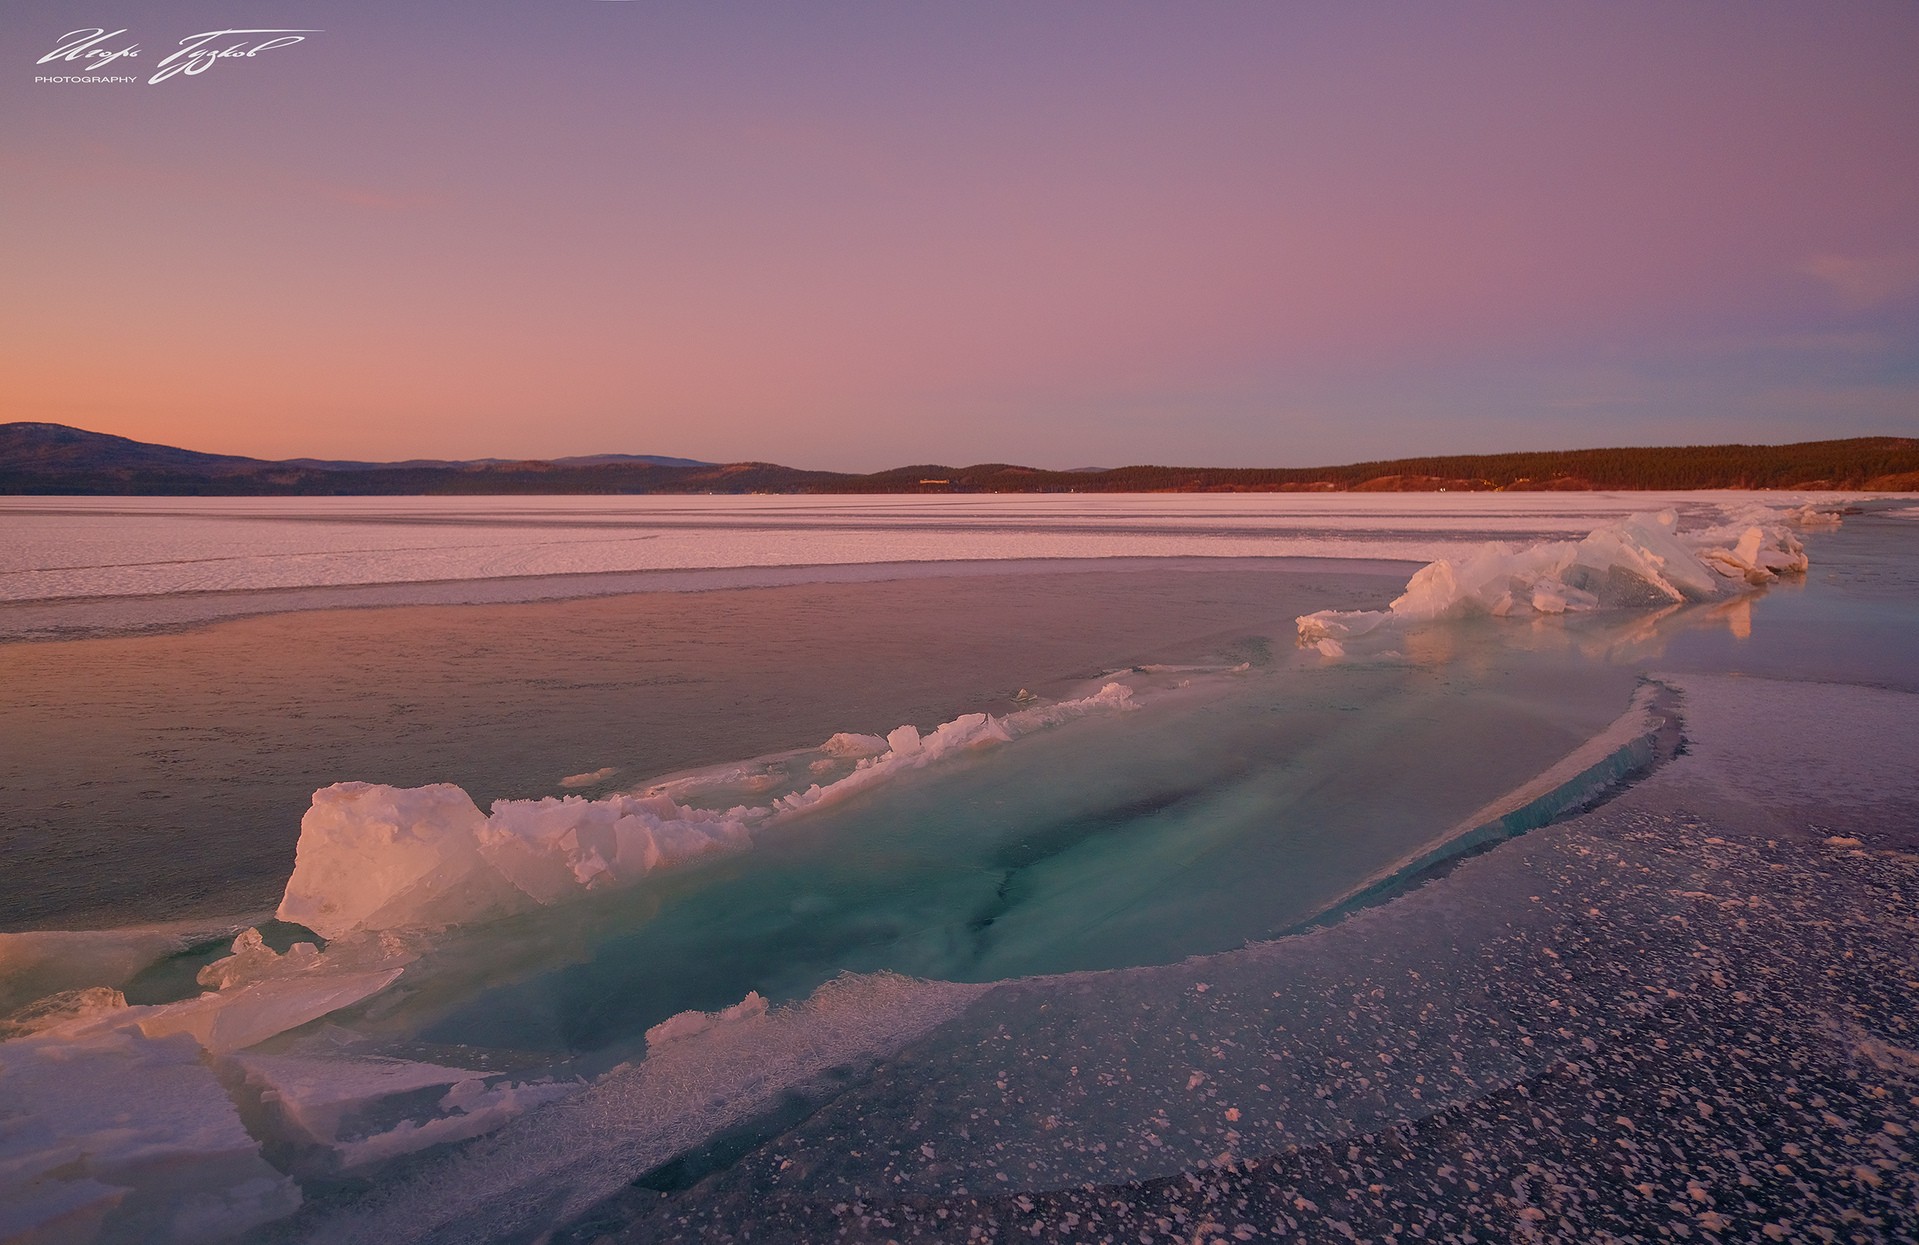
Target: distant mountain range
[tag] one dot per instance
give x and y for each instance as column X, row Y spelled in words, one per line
column 51, row 459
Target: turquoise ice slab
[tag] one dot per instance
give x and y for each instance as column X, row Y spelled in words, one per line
column 1180, row 829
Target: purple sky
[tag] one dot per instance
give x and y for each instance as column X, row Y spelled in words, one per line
column 855, row 236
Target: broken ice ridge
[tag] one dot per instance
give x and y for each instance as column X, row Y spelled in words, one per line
column 1638, row 562
column 374, row 857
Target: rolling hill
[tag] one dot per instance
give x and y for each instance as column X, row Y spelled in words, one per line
column 49, row 459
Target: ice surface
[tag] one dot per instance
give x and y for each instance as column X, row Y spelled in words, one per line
column 1637, row 562
column 704, row 1070
column 1569, row 988
column 1851, row 749
column 110, row 1135
column 373, row 858
column 558, row 1162
column 113, row 1124
column 312, row 1097
column 1638, row 1020
column 105, row 547
column 236, row 1019
column 357, row 1111
column 1216, row 815
column 253, row 994
column 1641, row 737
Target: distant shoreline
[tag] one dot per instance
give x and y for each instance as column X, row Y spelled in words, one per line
column 42, row 459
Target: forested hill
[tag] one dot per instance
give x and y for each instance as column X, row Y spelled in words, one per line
column 40, row 458
column 1882, row 463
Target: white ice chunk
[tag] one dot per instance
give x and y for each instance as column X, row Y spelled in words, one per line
column 236, row 1019
column 253, row 960
column 851, row 746
column 473, row 1110
column 371, row 857
column 1761, row 554
column 1110, row 698
column 261, row 993
column 66, row 1009
column 311, row 1098
column 550, row 848
column 1551, row 597
column 686, row 1024
column 972, row 730
column 374, row 857
column 1809, row 515
column 908, row 750
column 1740, row 562
column 1339, row 624
column 1638, row 562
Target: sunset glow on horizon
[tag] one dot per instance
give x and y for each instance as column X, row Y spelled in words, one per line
column 853, row 236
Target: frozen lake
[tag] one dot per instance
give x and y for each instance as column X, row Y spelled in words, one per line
column 57, row 548
column 103, row 565
column 706, row 802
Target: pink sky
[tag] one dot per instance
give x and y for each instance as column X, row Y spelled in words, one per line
column 854, row 236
